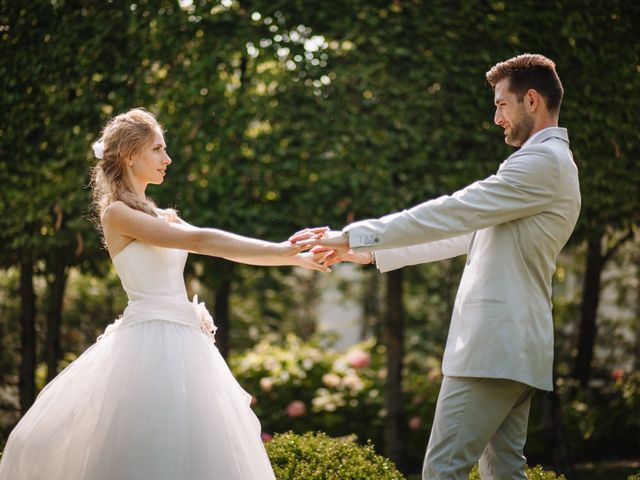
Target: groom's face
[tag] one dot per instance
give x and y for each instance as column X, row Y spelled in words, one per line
column 512, row 115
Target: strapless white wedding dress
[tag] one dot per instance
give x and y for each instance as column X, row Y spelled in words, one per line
column 152, row 399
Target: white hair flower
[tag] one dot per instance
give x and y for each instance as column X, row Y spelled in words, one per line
column 98, row 150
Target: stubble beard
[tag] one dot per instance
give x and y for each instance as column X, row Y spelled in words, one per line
column 521, row 129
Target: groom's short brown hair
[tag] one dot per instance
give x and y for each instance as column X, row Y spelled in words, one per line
column 530, row 71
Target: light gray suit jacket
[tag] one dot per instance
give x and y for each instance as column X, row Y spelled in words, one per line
column 512, row 225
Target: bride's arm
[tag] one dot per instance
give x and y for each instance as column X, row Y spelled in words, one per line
column 126, row 221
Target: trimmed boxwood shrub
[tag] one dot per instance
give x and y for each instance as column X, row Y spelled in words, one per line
column 316, row 456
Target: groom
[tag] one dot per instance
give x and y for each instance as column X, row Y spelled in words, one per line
column 511, row 226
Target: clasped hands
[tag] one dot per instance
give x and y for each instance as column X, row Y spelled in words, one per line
column 328, row 247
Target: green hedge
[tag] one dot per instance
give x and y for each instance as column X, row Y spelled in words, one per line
column 316, row 456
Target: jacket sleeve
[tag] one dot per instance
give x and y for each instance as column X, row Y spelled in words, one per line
column 524, row 185
column 393, row 258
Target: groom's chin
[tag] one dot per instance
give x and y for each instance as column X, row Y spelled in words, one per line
column 512, row 142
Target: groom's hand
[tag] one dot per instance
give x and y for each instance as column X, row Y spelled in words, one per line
column 323, row 237
column 329, row 257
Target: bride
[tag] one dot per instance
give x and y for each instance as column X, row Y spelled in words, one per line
column 152, row 398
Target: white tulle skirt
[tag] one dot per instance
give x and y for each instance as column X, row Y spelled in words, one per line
column 152, row 400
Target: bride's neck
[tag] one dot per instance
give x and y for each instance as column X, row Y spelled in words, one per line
column 138, row 188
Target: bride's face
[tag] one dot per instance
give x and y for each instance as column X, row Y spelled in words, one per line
column 149, row 165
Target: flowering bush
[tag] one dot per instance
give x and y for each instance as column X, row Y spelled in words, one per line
column 300, row 387
column 315, row 456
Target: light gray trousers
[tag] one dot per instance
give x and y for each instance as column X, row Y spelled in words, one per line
column 478, row 420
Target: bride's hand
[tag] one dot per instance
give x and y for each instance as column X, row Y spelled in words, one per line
column 311, row 261
column 331, row 257
column 288, row 249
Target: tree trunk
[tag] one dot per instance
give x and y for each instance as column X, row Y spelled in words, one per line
column 28, row 347
column 394, row 402
column 371, row 307
column 307, row 324
column 221, row 312
column 636, row 360
column 54, row 316
column 596, row 260
column 556, row 436
column 555, row 432
column 588, row 311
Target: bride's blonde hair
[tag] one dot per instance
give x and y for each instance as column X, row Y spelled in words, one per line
column 123, row 136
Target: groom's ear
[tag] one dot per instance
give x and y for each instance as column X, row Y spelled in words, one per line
column 532, row 100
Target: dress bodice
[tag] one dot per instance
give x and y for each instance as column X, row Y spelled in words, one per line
column 153, row 279
column 149, row 271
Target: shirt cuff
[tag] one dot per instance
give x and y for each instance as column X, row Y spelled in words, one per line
column 361, row 238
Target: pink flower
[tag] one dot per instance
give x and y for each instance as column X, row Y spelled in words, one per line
column 296, row 409
column 358, row 359
column 415, row 423
column 617, row 373
column 266, row 437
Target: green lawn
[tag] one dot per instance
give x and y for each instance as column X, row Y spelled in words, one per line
column 607, row 470
column 595, row 471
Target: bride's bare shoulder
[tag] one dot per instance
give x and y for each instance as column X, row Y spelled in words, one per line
column 114, row 211
column 110, row 219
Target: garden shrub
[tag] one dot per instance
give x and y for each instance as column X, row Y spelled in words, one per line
column 635, row 476
column 535, row 473
column 316, row 456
